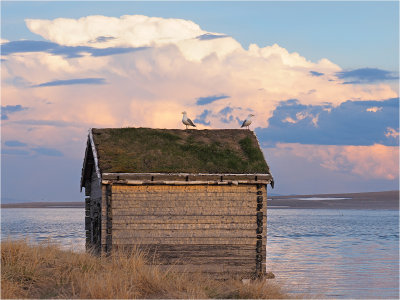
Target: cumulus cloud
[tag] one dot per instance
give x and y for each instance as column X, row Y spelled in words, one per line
column 179, row 65
column 134, row 31
column 369, row 162
column 128, row 30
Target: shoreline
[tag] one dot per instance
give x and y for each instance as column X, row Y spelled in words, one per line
column 388, row 200
column 371, row 200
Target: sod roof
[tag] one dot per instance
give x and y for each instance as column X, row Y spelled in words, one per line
column 145, row 150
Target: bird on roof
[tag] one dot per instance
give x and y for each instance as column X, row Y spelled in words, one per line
column 247, row 122
column 186, row 120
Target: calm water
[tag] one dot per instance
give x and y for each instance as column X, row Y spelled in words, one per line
column 335, row 253
column 328, row 253
column 65, row 226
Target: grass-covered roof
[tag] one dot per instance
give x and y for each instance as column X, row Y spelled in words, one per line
column 145, row 150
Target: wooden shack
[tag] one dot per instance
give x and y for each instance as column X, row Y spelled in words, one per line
column 195, row 199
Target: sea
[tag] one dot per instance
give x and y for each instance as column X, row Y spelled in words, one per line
column 314, row 253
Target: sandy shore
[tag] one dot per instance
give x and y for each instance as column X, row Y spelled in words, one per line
column 373, row 200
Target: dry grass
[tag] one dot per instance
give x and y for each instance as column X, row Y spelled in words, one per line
column 45, row 271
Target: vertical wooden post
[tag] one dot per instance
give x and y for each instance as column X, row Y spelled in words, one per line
column 109, row 218
column 259, row 231
column 88, row 224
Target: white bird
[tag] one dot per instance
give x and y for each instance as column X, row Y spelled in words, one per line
column 247, row 122
column 186, row 120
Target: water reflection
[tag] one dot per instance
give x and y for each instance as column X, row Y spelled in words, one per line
column 63, row 226
column 346, row 254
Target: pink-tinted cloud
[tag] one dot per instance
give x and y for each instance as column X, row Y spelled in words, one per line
column 391, row 132
column 369, row 162
column 152, row 86
column 374, row 109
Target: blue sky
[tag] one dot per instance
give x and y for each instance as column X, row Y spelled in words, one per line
column 321, row 78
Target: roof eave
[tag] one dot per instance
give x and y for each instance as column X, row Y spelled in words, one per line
column 187, row 178
column 90, row 145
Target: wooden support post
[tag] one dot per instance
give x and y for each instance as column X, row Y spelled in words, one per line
column 88, row 220
column 109, row 219
column 259, row 231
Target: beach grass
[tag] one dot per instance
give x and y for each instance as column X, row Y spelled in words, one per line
column 46, row 271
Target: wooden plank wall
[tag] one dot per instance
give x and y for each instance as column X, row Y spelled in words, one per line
column 92, row 212
column 210, row 228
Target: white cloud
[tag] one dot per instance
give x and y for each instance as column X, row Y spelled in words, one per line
column 151, row 87
column 133, row 31
column 102, row 31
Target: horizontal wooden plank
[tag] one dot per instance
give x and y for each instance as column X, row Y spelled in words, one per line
column 234, row 254
column 188, row 219
column 194, row 250
column 248, row 261
column 185, row 211
column 181, row 198
column 184, row 189
column 187, row 189
column 222, row 201
column 180, row 240
column 172, row 203
column 182, row 194
column 183, row 176
column 184, row 233
column 184, row 182
column 185, row 241
column 184, row 226
column 193, row 256
column 211, row 269
column 204, row 259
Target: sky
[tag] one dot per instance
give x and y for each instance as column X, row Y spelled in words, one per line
column 322, row 79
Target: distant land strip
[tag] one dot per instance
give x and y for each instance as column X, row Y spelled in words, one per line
column 44, row 205
column 369, row 200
